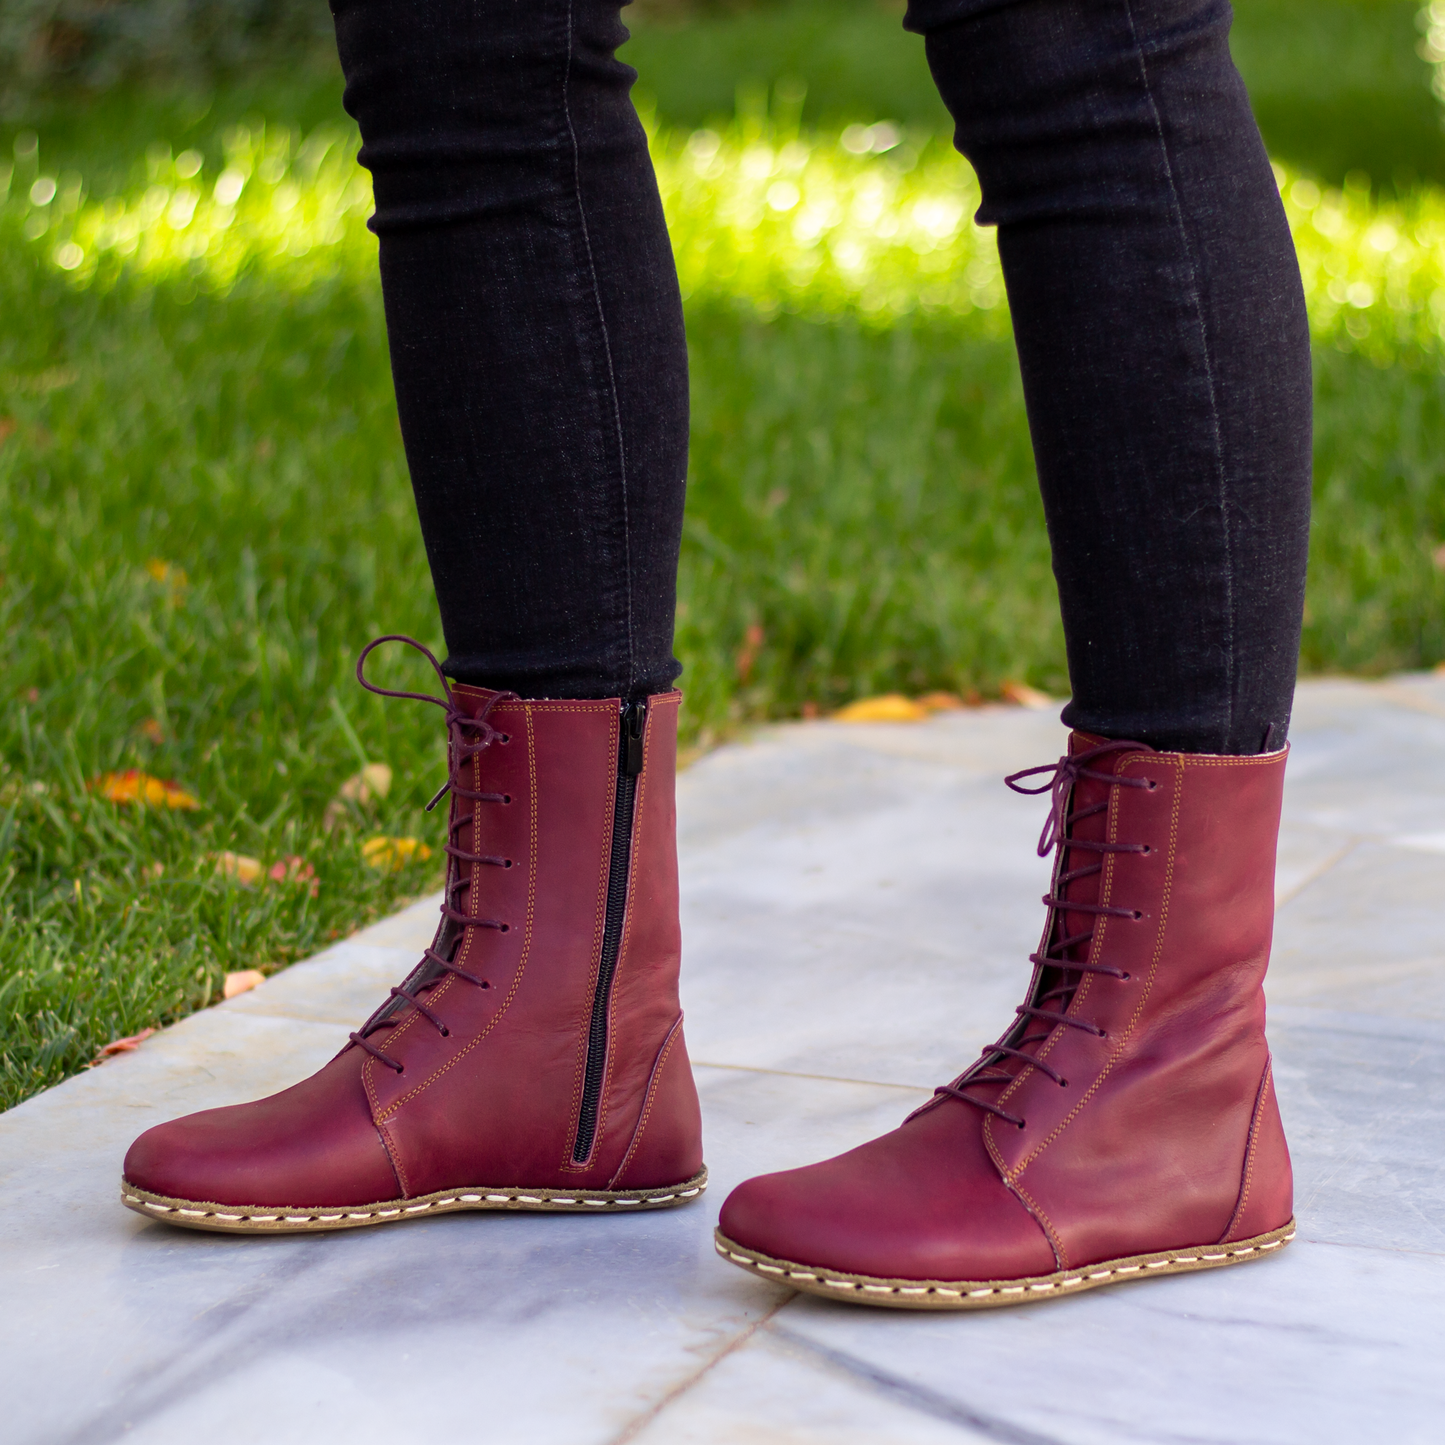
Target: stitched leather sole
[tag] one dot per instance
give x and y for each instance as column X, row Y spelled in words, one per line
column 242, row 1219
column 933, row 1294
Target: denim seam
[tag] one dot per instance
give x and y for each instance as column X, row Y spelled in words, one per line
column 606, row 345
column 1198, row 300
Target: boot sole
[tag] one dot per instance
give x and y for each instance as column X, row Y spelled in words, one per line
column 247, row 1219
column 931, row 1294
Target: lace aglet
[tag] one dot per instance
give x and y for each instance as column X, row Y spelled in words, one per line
column 440, row 794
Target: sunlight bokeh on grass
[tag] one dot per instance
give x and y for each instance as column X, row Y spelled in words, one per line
column 872, row 221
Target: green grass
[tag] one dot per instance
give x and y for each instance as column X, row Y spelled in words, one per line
column 250, row 443
column 1336, row 84
column 861, row 489
column 1338, row 88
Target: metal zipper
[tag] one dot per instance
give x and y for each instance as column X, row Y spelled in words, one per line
column 629, row 768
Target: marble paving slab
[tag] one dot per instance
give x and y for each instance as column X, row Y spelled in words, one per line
column 859, row 903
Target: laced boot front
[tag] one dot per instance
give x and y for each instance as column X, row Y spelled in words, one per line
column 534, row 1058
column 1125, row 1124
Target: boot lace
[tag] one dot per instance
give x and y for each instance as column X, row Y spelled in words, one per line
column 1056, row 959
column 467, row 737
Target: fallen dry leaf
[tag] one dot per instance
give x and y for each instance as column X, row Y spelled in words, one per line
column 244, row 870
column 167, row 573
column 1026, row 696
column 242, row 981
column 121, row 1046
column 941, row 702
column 134, row 786
column 294, row 870
column 889, row 707
column 152, row 731
column 373, row 781
column 753, row 640
column 390, row 854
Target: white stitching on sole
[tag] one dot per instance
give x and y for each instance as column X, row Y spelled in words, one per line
column 370, row 1216
column 1043, row 1287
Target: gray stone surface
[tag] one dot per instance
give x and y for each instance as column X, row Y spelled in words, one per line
column 859, row 902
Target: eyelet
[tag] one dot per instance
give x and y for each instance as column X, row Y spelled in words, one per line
column 506, row 737
column 1125, row 977
column 1022, row 1122
column 1063, row 1083
column 446, row 1033
column 1148, row 849
column 506, row 863
column 506, row 797
column 1153, row 786
column 485, row 984
column 505, row 928
column 1137, row 915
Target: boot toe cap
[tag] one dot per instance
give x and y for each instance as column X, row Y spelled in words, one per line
column 910, row 1205
column 314, row 1145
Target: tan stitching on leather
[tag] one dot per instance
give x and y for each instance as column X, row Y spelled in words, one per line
column 1251, row 1140
column 393, row 1153
column 1056, row 1243
column 535, row 705
column 1117, row 1051
column 516, row 984
column 653, row 1083
column 1245, row 760
column 393, row 1158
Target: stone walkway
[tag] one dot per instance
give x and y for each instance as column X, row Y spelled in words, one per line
column 859, row 902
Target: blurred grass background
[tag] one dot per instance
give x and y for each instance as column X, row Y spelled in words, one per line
column 206, row 510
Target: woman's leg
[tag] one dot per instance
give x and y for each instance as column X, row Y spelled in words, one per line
column 1161, row 330
column 536, row 333
column 534, row 1056
column 1125, row 1123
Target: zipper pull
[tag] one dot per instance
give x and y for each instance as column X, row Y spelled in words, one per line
column 634, row 719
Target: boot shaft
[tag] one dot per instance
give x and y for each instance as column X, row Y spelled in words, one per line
column 534, row 1058
column 564, row 881
column 1163, row 1091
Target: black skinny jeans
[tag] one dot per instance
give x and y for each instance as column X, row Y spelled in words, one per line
column 541, row 372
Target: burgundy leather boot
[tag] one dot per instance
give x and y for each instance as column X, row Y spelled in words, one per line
column 1126, row 1124
column 534, row 1058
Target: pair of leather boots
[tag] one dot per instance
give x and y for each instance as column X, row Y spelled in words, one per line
column 1124, row 1125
